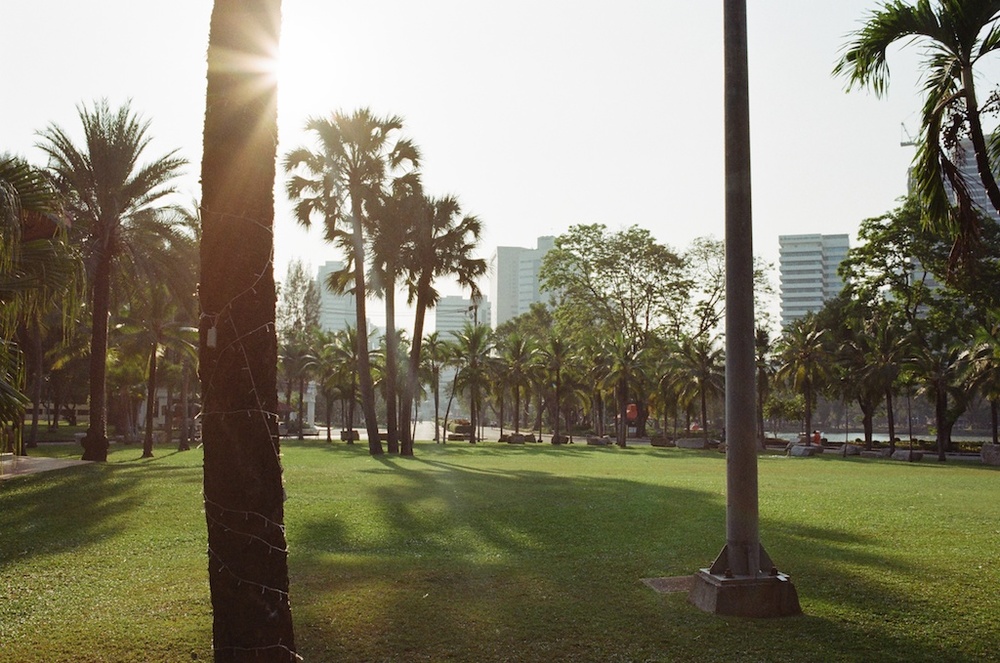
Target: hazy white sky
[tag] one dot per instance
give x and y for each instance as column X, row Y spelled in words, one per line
column 538, row 114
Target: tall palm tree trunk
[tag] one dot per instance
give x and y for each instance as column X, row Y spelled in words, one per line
column 978, row 141
column 37, row 368
column 95, row 443
column 244, row 500
column 392, row 415
column 147, row 443
column 413, row 366
column 365, row 381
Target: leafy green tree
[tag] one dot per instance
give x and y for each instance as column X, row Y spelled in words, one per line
column 109, row 193
column 624, row 280
column 340, row 182
column 705, row 267
column 958, row 35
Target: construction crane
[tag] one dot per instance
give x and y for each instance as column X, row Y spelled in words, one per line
column 905, row 139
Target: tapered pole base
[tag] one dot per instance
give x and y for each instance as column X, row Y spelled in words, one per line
column 768, row 593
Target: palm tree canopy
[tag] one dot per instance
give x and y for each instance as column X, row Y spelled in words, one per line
column 958, row 35
column 106, row 183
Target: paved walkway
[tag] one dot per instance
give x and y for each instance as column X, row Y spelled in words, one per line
column 12, row 466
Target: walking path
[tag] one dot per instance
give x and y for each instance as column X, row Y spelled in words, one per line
column 12, row 466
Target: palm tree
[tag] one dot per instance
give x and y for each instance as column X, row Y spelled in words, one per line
column 763, row 348
column 942, row 367
column 108, row 192
column 155, row 323
column 958, row 35
column 39, row 272
column 985, row 360
column 803, row 360
column 244, row 501
column 624, row 366
column 433, row 354
column 473, row 345
column 340, row 183
column 442, row 245
column 704, row 363
column 394, row 220
column 517, row 355
column 557, row 357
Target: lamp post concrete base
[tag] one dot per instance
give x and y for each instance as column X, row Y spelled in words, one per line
column 745, row 596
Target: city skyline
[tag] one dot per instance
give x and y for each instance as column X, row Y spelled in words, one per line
column 537, row 116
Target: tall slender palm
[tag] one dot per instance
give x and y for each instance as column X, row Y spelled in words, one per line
column 557, row 357
column 442, row 246
column 154, row 321
column 473, row 345
column 803, row 360
column 624, row 359
column 394, row 220
column 434, row 356
column 108, row 191
column 704, row 363
column 517, row 354
column 763, row 350
column 339, row 183
column 958, row 34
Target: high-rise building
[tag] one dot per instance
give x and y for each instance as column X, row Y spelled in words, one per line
column 515, row 283
column 453, row 312
column 336, row 312
column 808, row 272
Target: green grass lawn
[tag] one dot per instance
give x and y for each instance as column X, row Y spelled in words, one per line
column 509, row 553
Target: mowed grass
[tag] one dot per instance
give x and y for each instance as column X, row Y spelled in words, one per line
column 508, row 553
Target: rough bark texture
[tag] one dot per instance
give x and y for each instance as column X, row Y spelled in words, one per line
column 248, row 565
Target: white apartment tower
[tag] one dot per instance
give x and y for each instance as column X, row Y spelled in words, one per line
column 336, row 312
column 453, row 312
column 515, row 283
column 808, row 272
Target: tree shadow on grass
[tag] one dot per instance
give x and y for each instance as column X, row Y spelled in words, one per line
column 451, row 559
column 58, row 511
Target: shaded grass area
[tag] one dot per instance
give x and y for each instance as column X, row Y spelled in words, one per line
column 509, row 553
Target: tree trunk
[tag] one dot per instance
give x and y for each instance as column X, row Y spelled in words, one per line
column 185, row 437
column 95, row 443
column 147, row 443
column 302, row 407
column 622, row 412
column 978, row 140
column 244, row 512
column 413, row 366
column 391, row 370
column 941, row 416
column 360, row 309
column 890, row 420
column 995, row 419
